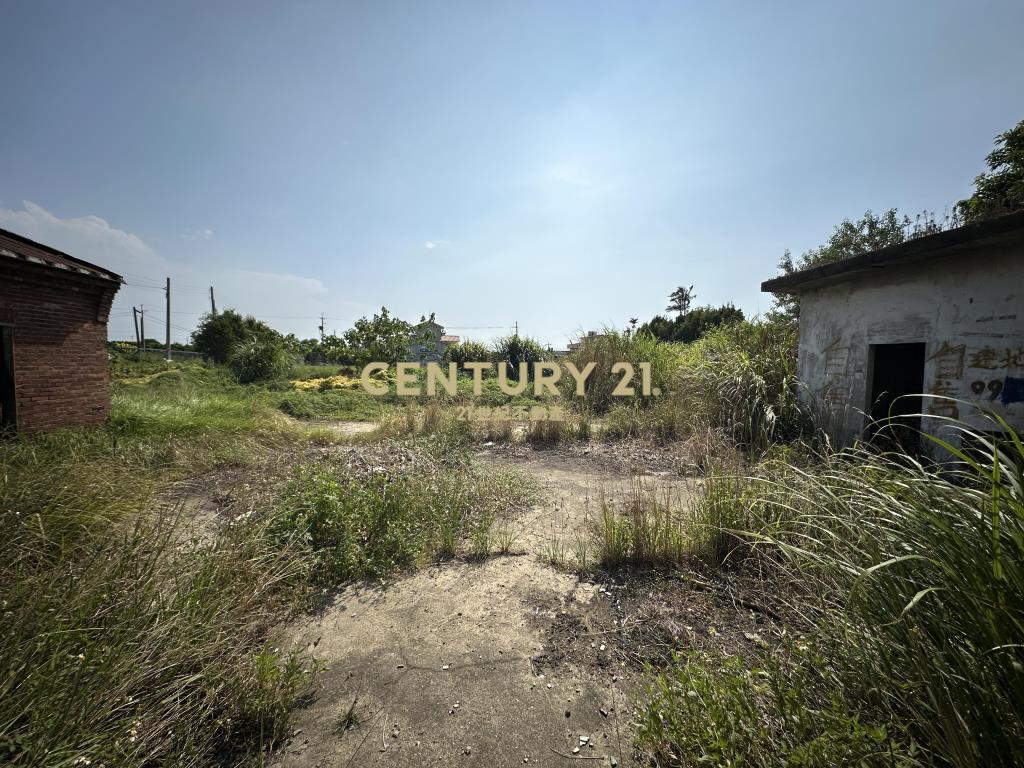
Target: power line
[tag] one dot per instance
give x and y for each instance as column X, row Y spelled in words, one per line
column 189, row 291
column 478, row 327
column 155, row 319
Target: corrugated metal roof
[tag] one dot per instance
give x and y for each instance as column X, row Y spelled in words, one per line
column 14, row 246
column 450, row 339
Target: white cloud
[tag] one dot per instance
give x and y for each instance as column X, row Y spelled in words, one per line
column 431, row 244
column 87, row 237
column 199, row 234
column 288, row 301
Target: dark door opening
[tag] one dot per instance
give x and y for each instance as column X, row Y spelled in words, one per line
column 8, row 417
column 897, row 381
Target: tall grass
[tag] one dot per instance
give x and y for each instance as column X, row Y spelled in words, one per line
column 613, row 347
column 925, row 570
column 649, row 527
column 914, row 575
column 124, row 641
column 119, row 645
column 741, row 379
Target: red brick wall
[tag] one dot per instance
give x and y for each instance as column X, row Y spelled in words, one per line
column 60, row 335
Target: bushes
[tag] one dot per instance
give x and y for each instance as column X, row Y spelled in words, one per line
column 741, row 379
column 258, row 359
column 693, row 325
column 357, row 525
column 219, row 334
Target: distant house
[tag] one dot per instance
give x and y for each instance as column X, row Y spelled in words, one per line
column 53, row 337
column 430, row 341
column 938, row 315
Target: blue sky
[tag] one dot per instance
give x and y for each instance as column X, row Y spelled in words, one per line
column 563, row 165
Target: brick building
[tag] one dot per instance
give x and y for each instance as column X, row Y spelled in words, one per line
column 53, row 334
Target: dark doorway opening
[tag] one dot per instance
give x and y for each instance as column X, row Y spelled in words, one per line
column 897, row 381
column 8, row 417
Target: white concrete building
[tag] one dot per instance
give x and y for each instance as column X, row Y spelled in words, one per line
column 430, row 341
column 940, row 315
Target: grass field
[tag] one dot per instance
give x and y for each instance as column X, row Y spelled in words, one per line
column 126, row 638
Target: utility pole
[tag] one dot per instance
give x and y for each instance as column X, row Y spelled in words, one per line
column 142, row 326
column 517, row 327
column 213, row 304
column 168, row 337
column 322, row 322
column 138, row 338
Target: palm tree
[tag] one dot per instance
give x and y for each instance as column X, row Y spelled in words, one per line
column 680, row 299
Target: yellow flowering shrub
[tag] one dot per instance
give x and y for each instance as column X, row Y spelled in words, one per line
column 339, row 381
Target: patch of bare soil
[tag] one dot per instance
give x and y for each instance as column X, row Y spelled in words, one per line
column 620, row 457
column 575, row 485
column 455, row 665
column 513, row 660
column 628, row 619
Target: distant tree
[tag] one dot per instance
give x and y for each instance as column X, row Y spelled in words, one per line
column 1001, row 189
column 513, row 350
column 218, row 335
column 849, row 238
column 693, row 325
column 383, row 339
column 680, row 300
column 333, row 349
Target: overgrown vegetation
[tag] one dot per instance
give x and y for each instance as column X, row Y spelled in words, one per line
column 133, row 632
column 912, row 579
column 712, row 709
column 740, row 380
column 258, row 360
column 123, row 638
column 130, row 634
column 356, row 524
column 611, row 347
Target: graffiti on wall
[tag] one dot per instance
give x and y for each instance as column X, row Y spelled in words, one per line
column 987, row 373
column 837, row 380
column 948, row 379
column 990, row 382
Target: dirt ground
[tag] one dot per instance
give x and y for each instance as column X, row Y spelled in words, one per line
column 514, row 660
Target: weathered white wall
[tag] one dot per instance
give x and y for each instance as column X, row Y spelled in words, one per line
column 967, row 308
